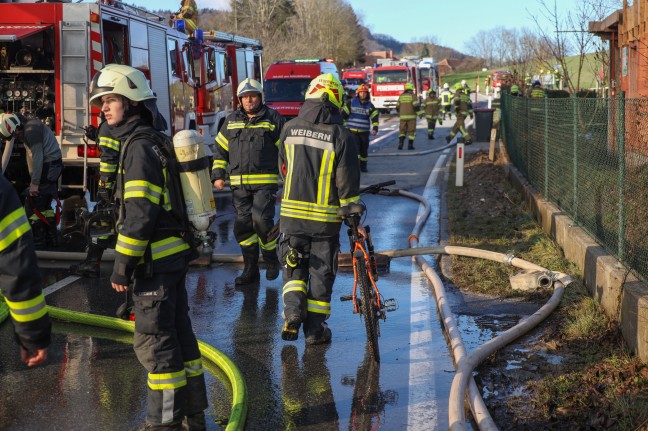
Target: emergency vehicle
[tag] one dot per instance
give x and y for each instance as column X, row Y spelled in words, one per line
column 353, row 78
column 388, row 82
column 50, row 52
column 429, row 75
column 286, row 82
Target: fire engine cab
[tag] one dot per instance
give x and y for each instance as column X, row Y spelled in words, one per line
column 49, row 53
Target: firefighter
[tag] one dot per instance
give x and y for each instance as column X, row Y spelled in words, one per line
column 361, row 118
column 319, row 162
column 151, row 252
column 446, row 101
column 189, row 13
column 537, row 92
column 463, row 109
column 487, row 84
column 45, row 166
column 248, row 141
column 432, row 112
column 407, row 107
column 109, row 159
column 515, row 91
column 20, row 279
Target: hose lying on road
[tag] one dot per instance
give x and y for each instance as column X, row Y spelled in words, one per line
column 238, row 413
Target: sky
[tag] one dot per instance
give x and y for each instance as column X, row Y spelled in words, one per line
column 411, row 20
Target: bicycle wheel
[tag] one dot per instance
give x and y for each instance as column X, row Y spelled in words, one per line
column 368, row 307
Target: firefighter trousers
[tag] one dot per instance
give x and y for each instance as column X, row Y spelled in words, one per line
column 255, row 211
column 166, row 346
column 362, row 142
column 407, row 128
column 307, row 288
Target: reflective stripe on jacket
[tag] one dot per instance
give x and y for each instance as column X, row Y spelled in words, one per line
column 407, row 105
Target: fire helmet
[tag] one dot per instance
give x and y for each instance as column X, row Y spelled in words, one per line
column 457, row 86
column 409, row 86
column 515, row 89
column 326, row 85
column 120, row 79
column 536, row 83
column 249, row 85
column 463, row 82
column 8, row 125
column 446, row 86
column 431, row 91
column 362, row 88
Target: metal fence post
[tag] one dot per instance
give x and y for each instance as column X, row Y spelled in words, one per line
column 546, row 148
column 621, row 181
column 575, row 146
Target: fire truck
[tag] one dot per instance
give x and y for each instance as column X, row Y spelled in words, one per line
column 49, row 53
column 389, row 79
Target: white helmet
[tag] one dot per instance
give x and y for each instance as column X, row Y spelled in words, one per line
column 120, row 79
column 8, row 125
column 446, row 86
column 463, row 82
column 249, row 85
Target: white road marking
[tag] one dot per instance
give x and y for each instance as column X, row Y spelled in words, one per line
column 60, row 284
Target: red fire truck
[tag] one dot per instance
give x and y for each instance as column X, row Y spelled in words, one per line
column 388, row 82
column 49, row 52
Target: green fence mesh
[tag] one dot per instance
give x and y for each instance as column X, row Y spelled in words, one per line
column 590, row 158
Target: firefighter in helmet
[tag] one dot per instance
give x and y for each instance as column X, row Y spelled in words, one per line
column 537, row 92
column 189, row 13
column 432, row 112
column 463, row 109
column 408, row 108
column 20, row 279
column 319, row 162
column 361, row 118
column 45, row 166
column 247, row 142
column 151, row 253
column 446, row 101
column 515, row 90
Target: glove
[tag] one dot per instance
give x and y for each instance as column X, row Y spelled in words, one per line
column 91, row 133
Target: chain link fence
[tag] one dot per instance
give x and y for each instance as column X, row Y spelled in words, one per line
column 589, row 156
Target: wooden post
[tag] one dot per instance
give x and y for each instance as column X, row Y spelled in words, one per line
column 491, row 150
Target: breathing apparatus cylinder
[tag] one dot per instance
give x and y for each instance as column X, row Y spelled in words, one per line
column 196, row 185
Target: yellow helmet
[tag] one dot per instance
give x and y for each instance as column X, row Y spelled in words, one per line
column 515, row 89
column 326, row 84
column 8, row 125
column 120, row 79
column 249, row 85
column 458, row 86
column 409, row 86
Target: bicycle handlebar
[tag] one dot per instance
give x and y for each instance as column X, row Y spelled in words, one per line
column 375, row 188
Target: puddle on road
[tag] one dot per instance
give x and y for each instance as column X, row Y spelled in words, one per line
column 476, row 330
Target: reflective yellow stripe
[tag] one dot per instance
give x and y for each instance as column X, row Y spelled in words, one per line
column 237, row 180
column 250, row 241
column 130, row 246
column 158, row 382
column 12, row 227
column 325, row 177
column 194, row 368
column 28, row 311
column 112, row 144
column 294, row 286
column 345, row 202
column 307, row 215
column 272, row 245
column 167, row 247
column 143, row 189
column 309, row 207
column 319, row 307
column 260, row 125
column 290, row 157
column 219, row 164
column 222, row 141
column 107, row 167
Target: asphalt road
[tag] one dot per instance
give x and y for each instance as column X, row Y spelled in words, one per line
column 92, row 380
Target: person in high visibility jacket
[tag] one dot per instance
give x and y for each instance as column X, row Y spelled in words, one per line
column 319, row 162
column 463, row 109
column 248, row 142
column 537, row 92
column 446, row 101
column 151, row 253
column 189, row 13
column 408, row 107
column 432, row 104
column 20, row 279
column 361, row 118
column 45, row 166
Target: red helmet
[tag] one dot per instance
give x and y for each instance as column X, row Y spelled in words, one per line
column 362, row 88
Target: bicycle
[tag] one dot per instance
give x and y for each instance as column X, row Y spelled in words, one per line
column 370, row 304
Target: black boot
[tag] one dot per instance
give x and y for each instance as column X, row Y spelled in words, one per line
column 273, row 268
column 410, row 145
column 195, row 422
column 430, row 135
column 39, row 230
column 90, row 267
column 250, row 272
column 401, row 140
column 363, row 167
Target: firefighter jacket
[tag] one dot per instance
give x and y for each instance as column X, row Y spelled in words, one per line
column 446, row 98
column 319, row 161
column 407, row 105
column 462, row 104
column 537, row 93
column 20, row 278
column 41, row 147
column 149, row 237
column 249, row 146
column 109, row 159
column 359, row 116
column 432, row 107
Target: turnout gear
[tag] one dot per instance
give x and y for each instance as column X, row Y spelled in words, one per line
column 248, row 145
column 446, row 102
column 326, row 87
column 8, row 125
column 407, row 107
column 432, row 104
column 463, row 109
column 321, row 174
column 20, row 279
column 361, row 118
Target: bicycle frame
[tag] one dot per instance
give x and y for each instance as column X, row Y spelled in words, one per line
column 358, row 245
